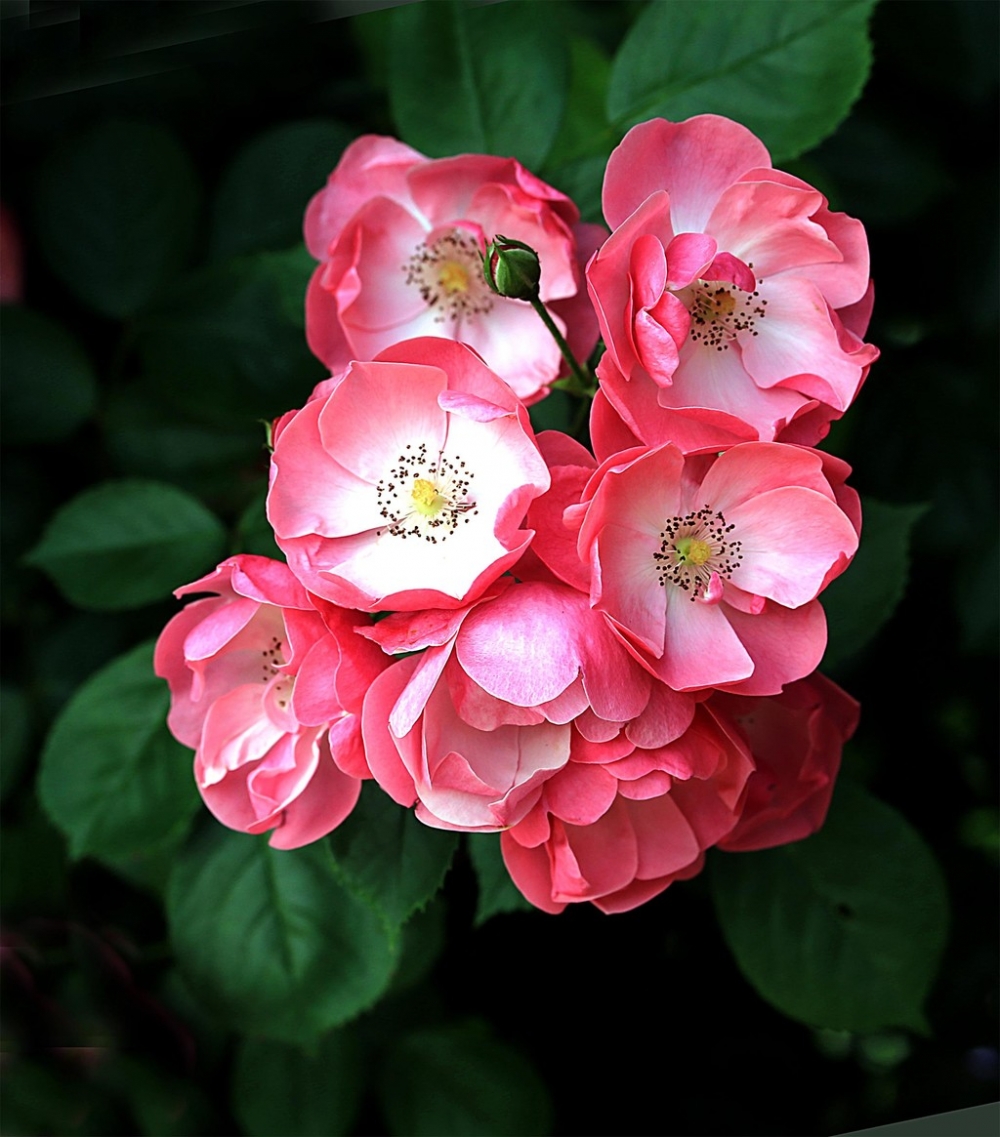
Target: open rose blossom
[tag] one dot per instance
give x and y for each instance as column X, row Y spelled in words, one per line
column 266, row 685
column 710, row 566
column 400, row 240
column 726, row 286
column 405, row 485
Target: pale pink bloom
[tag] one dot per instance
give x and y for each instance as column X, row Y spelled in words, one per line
column 630, row 814
column 266, row 685
column 796, row 739
column 726, row 285
column 709, row 567
column 405, row 486
column 400, row 240
column 472, row 727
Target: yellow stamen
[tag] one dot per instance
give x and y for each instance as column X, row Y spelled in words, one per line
column 692, row 551
column 453, row 277
column 426, row 499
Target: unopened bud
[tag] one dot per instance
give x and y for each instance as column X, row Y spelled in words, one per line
column 511, row 268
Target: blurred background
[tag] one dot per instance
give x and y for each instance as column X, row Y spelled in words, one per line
column 159, row 362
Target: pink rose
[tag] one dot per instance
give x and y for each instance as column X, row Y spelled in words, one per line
column 796, row 739
column 400, row 240
column 726, row 286
column 629, row 815
column 406, row 484
column 472, row 727
column 266, row 685
column 709, row 567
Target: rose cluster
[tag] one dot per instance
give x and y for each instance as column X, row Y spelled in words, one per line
column 608, row 655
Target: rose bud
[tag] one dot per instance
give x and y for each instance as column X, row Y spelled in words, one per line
column 512, row 268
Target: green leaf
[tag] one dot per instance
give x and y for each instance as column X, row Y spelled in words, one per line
column 127, row 543
column 862, row 599
column 149, row 438
column 117, row 208
column 489, row 79
column 789, row 72
column 48, row 387
column 269, row 940
column 497, row 892
column 460, row 1081
column 263, row 196
column 845, row 929
column 585, row 131
column 226, row 343
column 388, row 859
column 282, row 1091
column 113, row 779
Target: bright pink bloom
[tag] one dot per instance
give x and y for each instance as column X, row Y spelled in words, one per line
column 471, row 728
column 627, row 816
column 709, row 567
column 406, row 485
column 796, row 739
column 266, row 685
column 400, row 239
column 726, row 285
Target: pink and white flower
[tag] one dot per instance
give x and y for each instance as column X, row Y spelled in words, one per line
column 709, row 567
column 405, row 486
column 473, row 726
column 726, row 286
column 400, row 240
column 266, row 686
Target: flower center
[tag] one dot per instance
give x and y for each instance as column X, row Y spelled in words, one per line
column 449, row 276
column 695, row 546
column 425, row 496
column 720, row 311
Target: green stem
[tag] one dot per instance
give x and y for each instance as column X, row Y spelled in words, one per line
column 578, row 382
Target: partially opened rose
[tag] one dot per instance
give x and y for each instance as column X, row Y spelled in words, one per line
column 630, row 814
column 406, row 485
column 266, row 686
column 400, row 240
column 796, row 739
